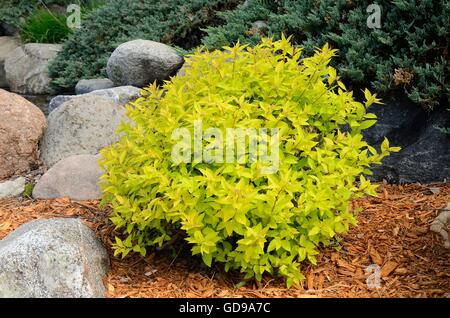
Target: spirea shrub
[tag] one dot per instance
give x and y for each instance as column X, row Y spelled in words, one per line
column 230, row 212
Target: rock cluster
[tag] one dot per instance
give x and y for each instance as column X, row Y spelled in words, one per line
column 425, row 154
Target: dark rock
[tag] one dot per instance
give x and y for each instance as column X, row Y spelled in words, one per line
column 400, row 120
column 57, row 101
column 425, row 154
column 7, row 30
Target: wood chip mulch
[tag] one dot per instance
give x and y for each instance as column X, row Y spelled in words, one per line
column 392, row 235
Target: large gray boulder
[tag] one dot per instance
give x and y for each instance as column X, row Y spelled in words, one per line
column 425, row 154
column 26, row 68
column 141, row 62
column 76, row 177
column 21, row 126
column 7, row 45
column 54, row 258
column 83, row 125
column 119, row 95
column 90, row 85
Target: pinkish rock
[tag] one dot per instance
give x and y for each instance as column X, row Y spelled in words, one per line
column 76, row 177
column 21, row 125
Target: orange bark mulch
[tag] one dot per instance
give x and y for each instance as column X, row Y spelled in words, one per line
column 393, row 233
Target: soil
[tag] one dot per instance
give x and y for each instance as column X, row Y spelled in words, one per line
column 392, row 238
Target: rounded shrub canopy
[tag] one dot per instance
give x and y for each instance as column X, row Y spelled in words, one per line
column 227, row 206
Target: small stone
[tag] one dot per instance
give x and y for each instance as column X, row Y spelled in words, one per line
column 435, row 190
column 87, row 86
column 124, row 279
column 151, row 272
column 10, row 189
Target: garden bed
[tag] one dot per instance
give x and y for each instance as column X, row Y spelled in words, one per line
column 393, row 233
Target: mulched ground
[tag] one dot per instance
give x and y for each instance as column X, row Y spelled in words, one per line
column 393, row 233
